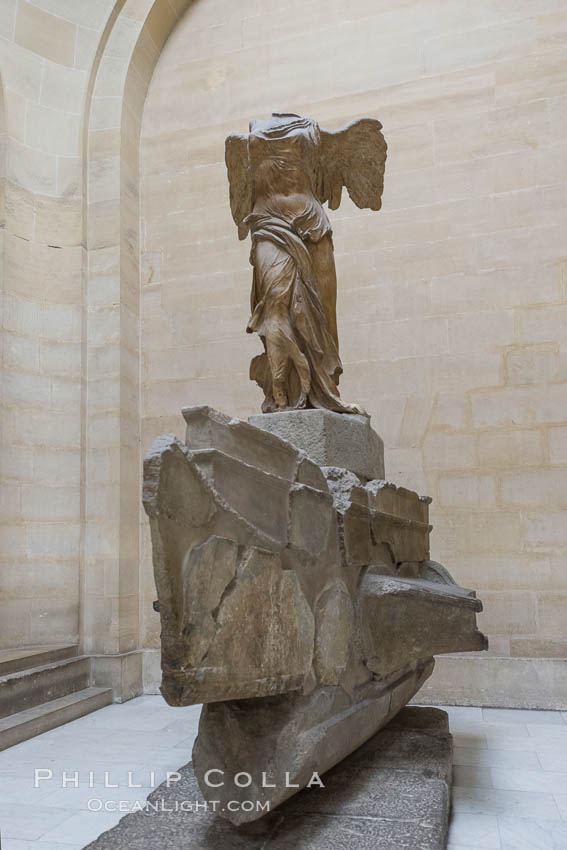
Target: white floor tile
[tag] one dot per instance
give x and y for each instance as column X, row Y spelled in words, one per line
column 528, row 780
column 187, row 744
column 187, row 726
column 82, row 827
column 452, row 846
column 464, row 712
column 114, row 739
column 14, row 789
column 116, row 772
column 561, row 801
column 470, row 830
column 522, row 759
column 553, row 756
column 17, row 844
column 517, row 743
column 87, row 799
column 524, row 834
column 492, row 801
column 471, row 776
column 553, row 732
column 160, row 770
column 478, row 728
column 146, row 720
column 29, row 822
column 474, row 739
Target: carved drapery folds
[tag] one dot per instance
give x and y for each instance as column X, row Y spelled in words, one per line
column 280, row 176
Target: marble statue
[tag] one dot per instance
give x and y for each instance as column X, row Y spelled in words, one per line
column 280, row 176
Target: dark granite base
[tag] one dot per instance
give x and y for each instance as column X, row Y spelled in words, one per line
column 393, row 793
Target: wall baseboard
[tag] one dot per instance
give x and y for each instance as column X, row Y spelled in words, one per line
column 496, row 681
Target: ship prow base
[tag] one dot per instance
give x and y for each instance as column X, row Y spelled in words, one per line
column 298, row 600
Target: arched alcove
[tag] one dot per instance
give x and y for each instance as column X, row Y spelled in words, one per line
column 111, row 599
column 442, row 298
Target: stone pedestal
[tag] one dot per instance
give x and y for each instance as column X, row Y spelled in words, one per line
column 297, row 601
column 393, row 793
column 345, row 440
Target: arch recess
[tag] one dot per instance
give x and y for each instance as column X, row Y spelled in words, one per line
column 128, row 52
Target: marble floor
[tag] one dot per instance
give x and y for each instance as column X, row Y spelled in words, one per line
column 509, row 793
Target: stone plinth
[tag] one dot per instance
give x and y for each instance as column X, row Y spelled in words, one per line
column 393, row 793
column 297, row 601
column 345, row 440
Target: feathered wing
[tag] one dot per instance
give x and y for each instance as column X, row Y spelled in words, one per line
column 355, row 157
column 239, row 179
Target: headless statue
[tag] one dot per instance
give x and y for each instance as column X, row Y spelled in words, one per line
column 280, row 176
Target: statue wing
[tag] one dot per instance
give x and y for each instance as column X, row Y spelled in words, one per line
column 240, row 180
column 355, row 157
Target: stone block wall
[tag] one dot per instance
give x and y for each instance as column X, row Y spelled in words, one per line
column 45, row 50
column 125, row 290
column 452, row 300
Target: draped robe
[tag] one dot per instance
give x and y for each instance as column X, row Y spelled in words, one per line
column 280, row 175
column 289, row 311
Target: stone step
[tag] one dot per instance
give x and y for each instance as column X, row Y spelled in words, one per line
column 15, row 660
column 33, row 721
column 37, row 685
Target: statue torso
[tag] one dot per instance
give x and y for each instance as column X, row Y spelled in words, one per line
column 284, row 154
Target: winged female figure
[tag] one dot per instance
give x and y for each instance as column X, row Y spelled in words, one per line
column 280, row 175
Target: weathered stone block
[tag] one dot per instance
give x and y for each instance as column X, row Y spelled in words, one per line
column 391, row 604
column 379, row 523
column 310, row 514
column 207, row 427
column 209, row 570
column 329, row 439
column 298, row 603
column 262, row 499
column 335, row 618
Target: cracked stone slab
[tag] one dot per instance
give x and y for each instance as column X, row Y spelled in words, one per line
column 393, row 794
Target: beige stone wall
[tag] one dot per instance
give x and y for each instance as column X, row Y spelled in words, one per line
column 70, row 448
column 452, row 301
column 75, row 75
column 45, row 50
